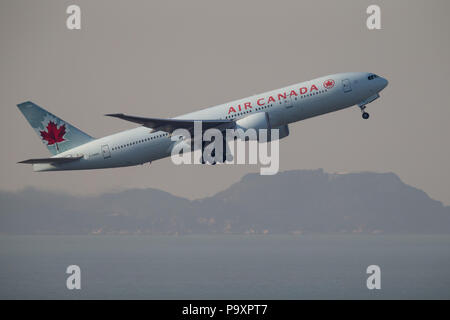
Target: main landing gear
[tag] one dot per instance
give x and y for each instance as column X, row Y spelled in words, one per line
column 365, row 115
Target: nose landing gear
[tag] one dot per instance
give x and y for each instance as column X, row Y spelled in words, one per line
column 365, row 115
column 362, row 105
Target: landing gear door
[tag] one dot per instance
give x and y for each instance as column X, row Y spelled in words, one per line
column 105, row 151
column 346, row 85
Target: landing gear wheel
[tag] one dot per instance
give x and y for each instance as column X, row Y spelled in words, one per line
column 365, row 115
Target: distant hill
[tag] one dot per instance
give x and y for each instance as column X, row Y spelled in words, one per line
column 291, row 202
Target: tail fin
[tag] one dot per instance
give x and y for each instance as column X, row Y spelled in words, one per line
column 56, row 134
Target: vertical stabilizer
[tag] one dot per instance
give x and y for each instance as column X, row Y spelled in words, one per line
column 57, row 134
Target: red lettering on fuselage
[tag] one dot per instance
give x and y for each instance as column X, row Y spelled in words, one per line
column 261, row 101
column 282, row 95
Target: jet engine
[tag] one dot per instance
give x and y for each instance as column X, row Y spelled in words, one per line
column 260, row 120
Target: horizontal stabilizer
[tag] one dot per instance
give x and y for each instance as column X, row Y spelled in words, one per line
column 58, row 160
column 169, row 125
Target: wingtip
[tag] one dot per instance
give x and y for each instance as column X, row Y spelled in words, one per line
column 113, row 114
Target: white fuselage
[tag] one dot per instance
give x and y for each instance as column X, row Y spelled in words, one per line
column 283, row 106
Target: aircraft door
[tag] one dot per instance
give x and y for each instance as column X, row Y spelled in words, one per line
column 279, row 113
column 346, row 85
column 291, row 109
column 105, row 151
column 287, row 103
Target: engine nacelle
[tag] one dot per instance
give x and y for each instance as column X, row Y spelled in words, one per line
column 283, row 131
column 261, row 120
column 255, row 121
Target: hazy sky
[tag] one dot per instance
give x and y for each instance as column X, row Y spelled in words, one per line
column 165, row 58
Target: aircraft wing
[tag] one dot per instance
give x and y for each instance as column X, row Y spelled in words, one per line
column 169, row 125
column 57, row 160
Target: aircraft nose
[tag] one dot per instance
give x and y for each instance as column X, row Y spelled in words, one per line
column 384, row 83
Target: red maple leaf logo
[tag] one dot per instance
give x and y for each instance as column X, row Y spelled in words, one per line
column 329, row 84
column 53, row 135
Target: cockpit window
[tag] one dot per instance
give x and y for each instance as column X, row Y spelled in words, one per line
column 372, row 76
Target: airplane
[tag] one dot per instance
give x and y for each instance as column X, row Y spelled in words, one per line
column 72, row 149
